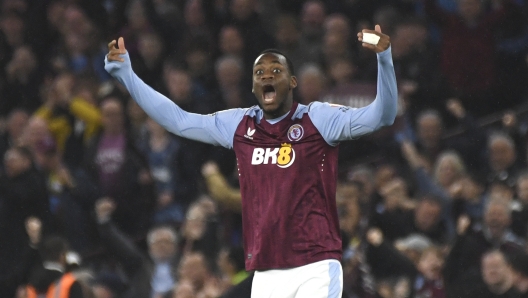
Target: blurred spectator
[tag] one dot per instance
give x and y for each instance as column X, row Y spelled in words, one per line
column 287, row 35
column 164, row 153
column 467, row 51
column 71, row 196
column 233, row 90
column 15, row 124
column 497, row 277
column 520, row 215
column 23, row 73
column 53, row 278
column 149, row 63
column 199, row 231
column 72, row 116
column 312, row 17
column 502, row 159
column 120, row 172
column 312, row 83
column 193, row 269
column 463, row 263
column 22, row 194
column 151, row 276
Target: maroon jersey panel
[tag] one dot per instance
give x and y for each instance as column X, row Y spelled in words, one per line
column 288, row 177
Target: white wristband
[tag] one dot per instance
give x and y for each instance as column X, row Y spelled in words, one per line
column 371, row 38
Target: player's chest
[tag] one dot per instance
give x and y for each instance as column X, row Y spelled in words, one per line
column 284, row 146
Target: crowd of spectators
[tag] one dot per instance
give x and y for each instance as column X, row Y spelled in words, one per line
column 93, row 190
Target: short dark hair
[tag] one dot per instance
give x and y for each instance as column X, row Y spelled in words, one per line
column 53, row 248
column 288, row 61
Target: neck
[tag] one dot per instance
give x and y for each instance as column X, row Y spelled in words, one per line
column 281, row 111
column 500, row 288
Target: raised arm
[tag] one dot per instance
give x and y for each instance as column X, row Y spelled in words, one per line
column 340, row 123
column 216, row 129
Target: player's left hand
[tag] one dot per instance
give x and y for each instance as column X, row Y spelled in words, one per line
column 383, row 43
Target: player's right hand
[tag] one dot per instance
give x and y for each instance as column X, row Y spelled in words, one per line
column 114, row 53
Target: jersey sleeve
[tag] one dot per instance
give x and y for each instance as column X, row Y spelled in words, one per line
column 216, row 129
column 340, row 123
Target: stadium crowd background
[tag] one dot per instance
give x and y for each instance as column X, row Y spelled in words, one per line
column 434, row 206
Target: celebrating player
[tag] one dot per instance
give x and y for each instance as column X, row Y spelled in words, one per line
column 287, row 165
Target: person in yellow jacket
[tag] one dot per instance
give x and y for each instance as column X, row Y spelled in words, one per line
column 70, row 111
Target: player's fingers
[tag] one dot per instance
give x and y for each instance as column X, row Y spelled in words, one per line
column 121, row 44
column 111, row 45
column 377, row 28
column 360, row 36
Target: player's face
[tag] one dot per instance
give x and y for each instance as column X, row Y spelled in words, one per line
column 273, row 84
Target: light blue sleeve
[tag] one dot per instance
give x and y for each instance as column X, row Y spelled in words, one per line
column 216, row 129
column 340, row 123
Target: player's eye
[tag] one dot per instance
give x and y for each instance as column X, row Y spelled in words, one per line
column 259, row 72
column 276, row 70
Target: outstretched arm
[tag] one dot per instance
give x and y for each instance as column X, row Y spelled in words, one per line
column 216, row 129
column 339, row 123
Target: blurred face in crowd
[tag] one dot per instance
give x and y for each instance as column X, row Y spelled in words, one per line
column 150, row 47
column 501, row 191
column 179, row 84
column 194, row 15
column 287, row 34
column 342, row 71
column 13, row 28
column 471, row 190
column 194, row 226
column 501, row 154
column 16, row 123
column 430, row 264
column 384, row 174
column 231, row 41
column 15, row 163
column 497, row 219
column 162, row 244
column 136, row 16
column 224, row 264
column 229, row 73
column 184, row 289
column 36, row 130
column 522, row 189
column 112, row 116
column 495, row 270
column 470, row 10
column 311, row 84
column 334, row 46
column 337, row 24
column 312, row 17
column 194, row 269
column 448, row 170
column 427, row 215
column 154, row 128
column 393, row 193
column 242, row 9
column 429, row 131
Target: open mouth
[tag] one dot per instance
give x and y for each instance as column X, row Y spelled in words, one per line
column 268, row 93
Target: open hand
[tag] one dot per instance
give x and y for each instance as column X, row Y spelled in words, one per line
column 383, row 43
column 114, row 53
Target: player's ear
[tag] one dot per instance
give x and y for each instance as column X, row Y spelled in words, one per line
column 293, row 82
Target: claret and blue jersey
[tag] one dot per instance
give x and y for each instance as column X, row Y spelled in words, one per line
column 287, row 166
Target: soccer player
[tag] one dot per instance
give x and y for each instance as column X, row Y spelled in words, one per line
column 287, row 165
